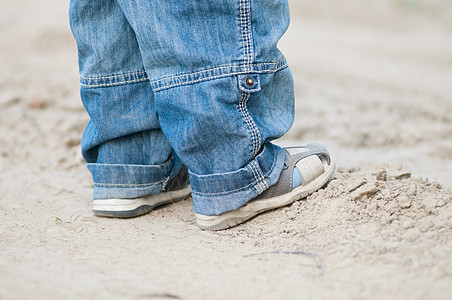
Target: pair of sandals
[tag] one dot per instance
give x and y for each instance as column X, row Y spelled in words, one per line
column 312, row 162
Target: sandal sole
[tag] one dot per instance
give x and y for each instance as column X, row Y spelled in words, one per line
column 129, row 208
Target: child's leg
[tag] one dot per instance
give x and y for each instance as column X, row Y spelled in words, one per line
column 126, row 151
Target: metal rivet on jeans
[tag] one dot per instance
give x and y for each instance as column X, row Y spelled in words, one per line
column 249, row 81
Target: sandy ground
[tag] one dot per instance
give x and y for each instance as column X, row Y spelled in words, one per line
column 373, row 83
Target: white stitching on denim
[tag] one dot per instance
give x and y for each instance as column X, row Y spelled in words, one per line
column 128, row 185
column 165, row 87
column 263, row 68
column 227, row 192
column 242, row 188
column 259, row 186
column 255, row 134
column 281, row 61
column 212, row 77
column 114, row 75
column 255, row 174
column 113, row 83
column 165, row 164
column 258, row 175
column 245, row 32
column 168, row 86
column 264, row 184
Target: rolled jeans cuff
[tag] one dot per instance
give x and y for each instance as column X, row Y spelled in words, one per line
column 131, row 181
column 218, row 193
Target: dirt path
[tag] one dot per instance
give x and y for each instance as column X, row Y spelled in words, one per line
column 372, row 84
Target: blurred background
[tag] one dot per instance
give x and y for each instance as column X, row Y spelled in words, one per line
column 373, row 82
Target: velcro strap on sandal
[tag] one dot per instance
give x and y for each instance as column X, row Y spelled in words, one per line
column 306, row 159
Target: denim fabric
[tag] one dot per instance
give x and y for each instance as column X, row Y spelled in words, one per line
column 195, row 82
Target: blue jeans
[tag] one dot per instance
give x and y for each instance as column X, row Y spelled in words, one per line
column 172, row 82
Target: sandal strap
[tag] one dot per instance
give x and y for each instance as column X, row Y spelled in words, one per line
column 313, row 149
column 284, row 184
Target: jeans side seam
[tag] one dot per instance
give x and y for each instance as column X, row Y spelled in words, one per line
column 262, row 178
column 245, row 32
column 259, row 178
column 255, row 134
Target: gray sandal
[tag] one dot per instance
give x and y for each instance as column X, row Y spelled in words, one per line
column 316, row 168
